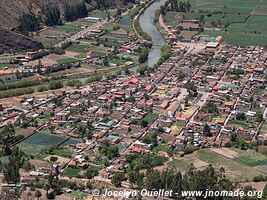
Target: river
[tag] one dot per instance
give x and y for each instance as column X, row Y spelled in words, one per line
column 146, row 21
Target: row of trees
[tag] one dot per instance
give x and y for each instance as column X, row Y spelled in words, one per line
column 52, row 16
column 16, row 92
column 165, row 53
column 75, row 12
column 18, row 84
column 180, row 6
column 172, row 180
column 28, row 23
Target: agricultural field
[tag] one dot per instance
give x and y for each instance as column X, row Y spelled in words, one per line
column 263, row 129
column 225, row 6
column 244, row 20
column 171, row 18
column 187, row 35
column 68, row 27
column 71, row 172
column 82, row 48
column 54, row 35
column 126, row 23
column 67, row 61
column 150, row 117
column 239, row 165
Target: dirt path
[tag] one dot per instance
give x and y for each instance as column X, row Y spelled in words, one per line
column 162, row 24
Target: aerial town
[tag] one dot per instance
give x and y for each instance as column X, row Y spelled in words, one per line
column 112, row 102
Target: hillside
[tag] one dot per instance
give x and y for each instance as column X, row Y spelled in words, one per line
column 12, row 10
column 12, row 41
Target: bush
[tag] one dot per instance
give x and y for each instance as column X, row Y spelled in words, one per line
column 259, row 178
column 53, row 158
column 189, row 149
column 42, row 88
column 53, row 85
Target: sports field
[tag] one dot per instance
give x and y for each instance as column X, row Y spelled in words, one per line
column 39, row 141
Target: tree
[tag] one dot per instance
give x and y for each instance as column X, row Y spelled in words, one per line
column 144, row 123
column 52, row 14
column 51, row 128
column 39, row 66
column 259, row 117
column 206, row 131
column 76, row 11
column 91, row 172
column 109, row 150
column 7, row 139
column 190, row 86
column 28, row 23
column 210, row 107
column 143, row 56
column 117, row 179
column 38, row 194
column 233, row 137
column 11, row 168
column 105, row 61
column 241, row 116
column 47, row 188
column 83, row 132
column 53, row 85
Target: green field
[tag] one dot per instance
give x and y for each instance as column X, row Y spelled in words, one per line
column 68, row 27
column 150, row 117
column 263, row 128
column 126, row 23
column 172, row 18
column 117, row 61
column 83, row 48
column 239, row 123
column 241, row 168
column 187, row 35
column 245, row 24
column 161, row 148
column 71, row 171
column 226, row 6
column 67, row 60
column 31, row 149
column 100, row 14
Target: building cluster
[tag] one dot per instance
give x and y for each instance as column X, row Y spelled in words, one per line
column 193, row 99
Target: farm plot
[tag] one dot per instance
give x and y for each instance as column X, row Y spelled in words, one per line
column 67, row 60
column 68, row 27
column 245, row 20
column 235, row 169
column 82, row 48
column 239, row 165
column 225, row 6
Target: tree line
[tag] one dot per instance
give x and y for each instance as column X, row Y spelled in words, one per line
column 180, row 6
column 75, row 12
column 30, row 22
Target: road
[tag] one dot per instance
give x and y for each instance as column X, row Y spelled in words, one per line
column 83, row 32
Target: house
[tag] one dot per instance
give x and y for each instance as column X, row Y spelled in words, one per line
column 62, row 116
